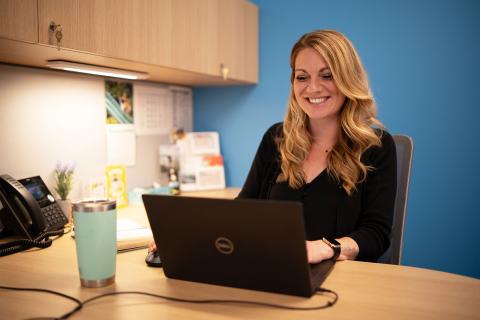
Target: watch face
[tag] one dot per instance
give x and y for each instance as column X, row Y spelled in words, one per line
column 332, row 243
column 335, row 243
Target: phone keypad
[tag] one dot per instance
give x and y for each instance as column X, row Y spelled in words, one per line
column 54, row 217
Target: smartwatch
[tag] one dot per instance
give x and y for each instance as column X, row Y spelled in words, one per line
column 336, row 247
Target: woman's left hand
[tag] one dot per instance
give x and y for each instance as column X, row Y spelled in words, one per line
column 318, row 251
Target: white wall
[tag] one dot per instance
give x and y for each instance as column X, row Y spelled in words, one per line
column 48, row 116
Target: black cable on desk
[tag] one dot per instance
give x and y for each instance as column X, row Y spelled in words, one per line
column 206, row 301
column 80, row 304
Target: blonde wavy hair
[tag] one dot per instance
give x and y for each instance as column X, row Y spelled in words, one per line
column 357, row 116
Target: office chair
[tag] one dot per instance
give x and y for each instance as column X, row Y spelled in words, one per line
column 404, row 147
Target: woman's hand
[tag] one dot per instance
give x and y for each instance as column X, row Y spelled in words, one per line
column 152, row 247
column 318, row 251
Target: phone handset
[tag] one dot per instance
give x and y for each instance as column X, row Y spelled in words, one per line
column 30, row 216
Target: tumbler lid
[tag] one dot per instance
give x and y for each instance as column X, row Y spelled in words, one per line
column 94, row 205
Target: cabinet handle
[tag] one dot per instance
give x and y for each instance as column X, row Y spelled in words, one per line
column 55, row 29
column 224, row 71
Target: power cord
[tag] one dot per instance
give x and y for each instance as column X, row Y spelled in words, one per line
column 80, row 304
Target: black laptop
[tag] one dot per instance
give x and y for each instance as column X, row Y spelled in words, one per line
column 251, row 244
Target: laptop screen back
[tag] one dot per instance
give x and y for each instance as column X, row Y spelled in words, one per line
column 252, row 244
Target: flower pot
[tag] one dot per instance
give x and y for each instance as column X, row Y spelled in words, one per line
column 67, row 208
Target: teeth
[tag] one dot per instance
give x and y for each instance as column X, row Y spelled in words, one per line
column 317, row 100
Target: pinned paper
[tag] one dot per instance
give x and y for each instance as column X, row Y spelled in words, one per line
column 153, row 110
column 201, row 164
column 121, row 145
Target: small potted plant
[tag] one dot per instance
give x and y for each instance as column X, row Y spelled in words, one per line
column 63, row 186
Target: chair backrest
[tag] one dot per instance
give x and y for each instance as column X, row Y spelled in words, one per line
column 404, row 147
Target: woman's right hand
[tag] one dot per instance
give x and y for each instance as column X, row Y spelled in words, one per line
column 152, row 247
column 318, row 251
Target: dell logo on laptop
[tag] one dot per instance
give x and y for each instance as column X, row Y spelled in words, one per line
column 224, row 245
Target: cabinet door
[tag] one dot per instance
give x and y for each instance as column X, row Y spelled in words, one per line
column 126, row 29
column 249, row 70
column 18, row 20
column 212, row 34
column 195, row 44
column 238, row 39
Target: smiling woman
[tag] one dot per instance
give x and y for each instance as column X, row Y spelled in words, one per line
column 325, row 66
column 330, row 153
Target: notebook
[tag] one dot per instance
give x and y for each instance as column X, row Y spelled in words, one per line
column 132, row 235
column 250, row 244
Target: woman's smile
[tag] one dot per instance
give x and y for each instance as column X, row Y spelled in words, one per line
column 318, row 100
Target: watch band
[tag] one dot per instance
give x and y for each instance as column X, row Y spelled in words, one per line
column 336, row 247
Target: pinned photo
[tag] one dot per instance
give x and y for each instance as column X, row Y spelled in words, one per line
column 119, row 102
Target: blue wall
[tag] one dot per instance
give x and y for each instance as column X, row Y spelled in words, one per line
column 423, row 59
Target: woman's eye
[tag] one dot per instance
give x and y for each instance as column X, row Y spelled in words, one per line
column 301, row 78
column 327, row 76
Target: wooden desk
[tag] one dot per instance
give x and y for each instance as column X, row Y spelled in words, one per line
column 366, row 291
column 227, row 193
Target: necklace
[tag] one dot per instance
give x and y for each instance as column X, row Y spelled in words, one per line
column 321, row 147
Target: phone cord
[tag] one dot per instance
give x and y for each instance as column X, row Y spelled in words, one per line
column 24, row 244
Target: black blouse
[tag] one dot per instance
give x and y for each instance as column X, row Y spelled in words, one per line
column 314, row 195
column 365, row 216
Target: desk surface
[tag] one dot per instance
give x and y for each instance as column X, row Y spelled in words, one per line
column 366, row 291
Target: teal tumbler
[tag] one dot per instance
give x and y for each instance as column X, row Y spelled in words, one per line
column 96, row 241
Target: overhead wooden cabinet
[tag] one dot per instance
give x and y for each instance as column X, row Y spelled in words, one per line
column 126, row 29
column 18, row 20
column 191, row 42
